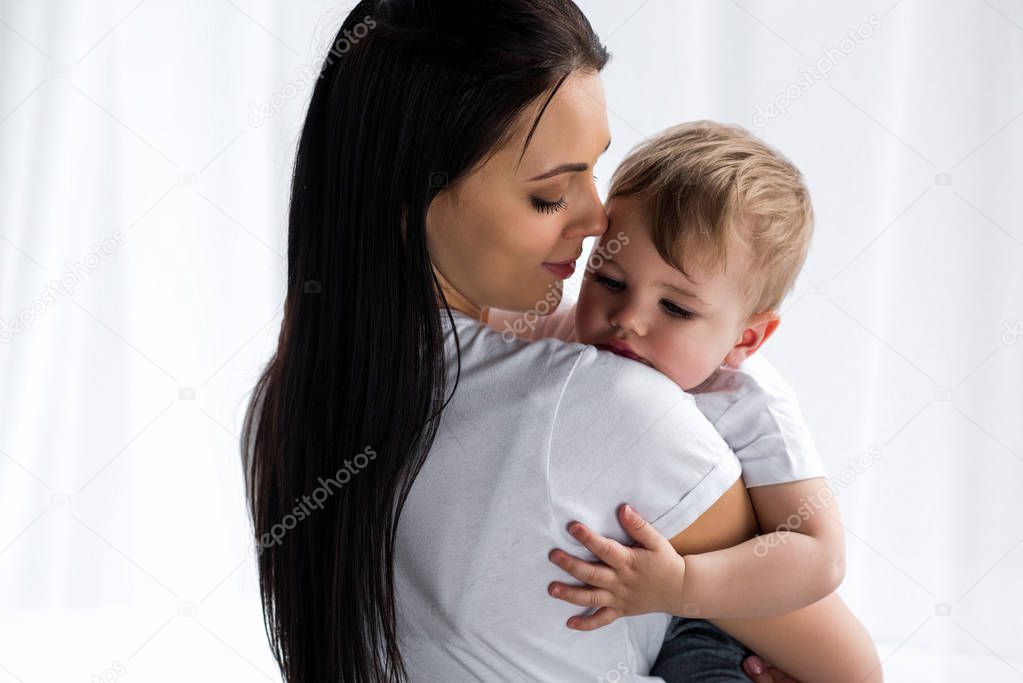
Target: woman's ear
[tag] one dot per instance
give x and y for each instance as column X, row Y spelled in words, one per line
column 439, row 212
column 755, row 331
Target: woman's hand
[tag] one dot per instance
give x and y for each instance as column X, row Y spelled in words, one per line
column 640, row 579
column 762, row 672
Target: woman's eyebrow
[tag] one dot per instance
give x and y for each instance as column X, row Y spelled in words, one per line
column 566, row 168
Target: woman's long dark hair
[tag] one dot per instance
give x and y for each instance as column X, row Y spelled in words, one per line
column 413, row 95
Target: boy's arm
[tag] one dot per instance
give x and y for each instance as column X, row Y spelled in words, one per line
column 801, row 556
column 823, row 637
column 821, row 642
column 799, row 559
column 725, row 571
column 531, row 326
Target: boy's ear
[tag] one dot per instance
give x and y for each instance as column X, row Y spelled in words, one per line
column 755, row 332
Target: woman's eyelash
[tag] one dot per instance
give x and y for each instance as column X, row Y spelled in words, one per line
column 675, row 310
column 544, row 206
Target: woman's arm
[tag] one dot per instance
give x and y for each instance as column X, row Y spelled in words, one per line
column 728, row 522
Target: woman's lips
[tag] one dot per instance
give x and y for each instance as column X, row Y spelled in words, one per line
column 562, row 270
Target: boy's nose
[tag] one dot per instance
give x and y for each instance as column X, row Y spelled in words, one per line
column 628, row 319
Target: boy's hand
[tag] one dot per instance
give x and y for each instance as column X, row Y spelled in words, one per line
column 640, row 579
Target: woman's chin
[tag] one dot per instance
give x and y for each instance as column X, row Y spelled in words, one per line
column 547, row 299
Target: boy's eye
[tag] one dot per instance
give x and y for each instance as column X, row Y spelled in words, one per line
column 610, row 283
column 544, row 206
column 675, row 310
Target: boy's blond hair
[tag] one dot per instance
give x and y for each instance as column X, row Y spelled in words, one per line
column 708, row 187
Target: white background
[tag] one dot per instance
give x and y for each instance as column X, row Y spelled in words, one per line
column 122, row 532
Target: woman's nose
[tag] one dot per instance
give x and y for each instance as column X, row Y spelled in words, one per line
column 592, row 221
column 597, row 225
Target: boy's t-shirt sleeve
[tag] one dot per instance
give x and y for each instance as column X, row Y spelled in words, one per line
column 624, row 433
column 758, row 415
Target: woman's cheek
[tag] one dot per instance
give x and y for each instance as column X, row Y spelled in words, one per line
column 533, row 235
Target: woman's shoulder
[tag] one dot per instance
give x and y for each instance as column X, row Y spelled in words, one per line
column 609, row 426
column 624, row 432
column 548, row 357
column 551, row 365
column 504, row 356
column 634, row 387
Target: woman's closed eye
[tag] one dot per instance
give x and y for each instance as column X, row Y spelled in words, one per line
column 544, row 206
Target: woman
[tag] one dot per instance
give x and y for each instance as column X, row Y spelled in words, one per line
column 445, row 167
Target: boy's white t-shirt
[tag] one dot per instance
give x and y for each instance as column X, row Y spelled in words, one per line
column 535, row 435
column 752, row 407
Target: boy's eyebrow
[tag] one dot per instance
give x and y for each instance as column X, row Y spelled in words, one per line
column 683, row 292
column 565, row 168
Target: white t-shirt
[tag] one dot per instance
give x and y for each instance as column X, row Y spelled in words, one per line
column 538, row 434
column 751, row 406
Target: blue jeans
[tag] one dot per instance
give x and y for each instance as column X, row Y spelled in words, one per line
column 697, row 650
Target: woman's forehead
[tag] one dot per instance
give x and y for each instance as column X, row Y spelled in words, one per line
column 573, row 129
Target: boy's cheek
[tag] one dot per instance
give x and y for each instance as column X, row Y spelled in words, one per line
column 672, row 358
column 586, row 314
column 583, row 327
column 590, row 333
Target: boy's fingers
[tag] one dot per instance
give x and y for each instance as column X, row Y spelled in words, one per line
column 592, row 622
column 582, row 596
column 641, row 531
column 610, row 551
column 588, row 572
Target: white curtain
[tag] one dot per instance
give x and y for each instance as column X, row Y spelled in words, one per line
column 145, row 150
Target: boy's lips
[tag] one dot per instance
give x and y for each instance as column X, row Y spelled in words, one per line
column 622, row 349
